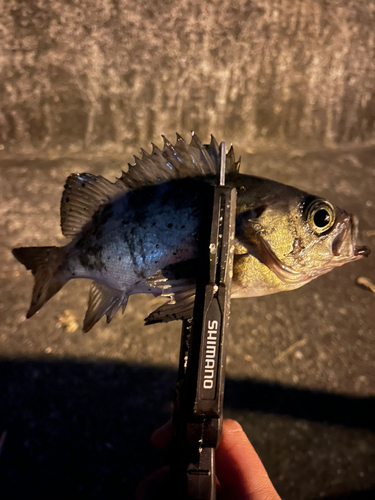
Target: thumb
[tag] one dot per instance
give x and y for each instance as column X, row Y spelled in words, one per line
column 239, row 469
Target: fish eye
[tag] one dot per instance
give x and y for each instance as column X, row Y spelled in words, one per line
column 320, row 215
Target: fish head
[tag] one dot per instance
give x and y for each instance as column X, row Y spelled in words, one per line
column 287, row 238
column 327, row 238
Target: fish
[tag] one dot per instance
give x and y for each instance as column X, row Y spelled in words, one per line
column 141, row 233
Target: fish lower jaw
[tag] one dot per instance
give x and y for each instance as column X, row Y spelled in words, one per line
column 244, row 292
column 362, row 251
column 345, row 246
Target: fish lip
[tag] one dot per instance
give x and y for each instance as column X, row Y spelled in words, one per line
column 350, row 225
column 358, row 251
column 362, row 251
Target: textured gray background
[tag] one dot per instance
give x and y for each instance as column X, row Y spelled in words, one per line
column 83, row 85
column 100, row 75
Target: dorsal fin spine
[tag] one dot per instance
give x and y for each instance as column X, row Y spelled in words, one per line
column 176, row 162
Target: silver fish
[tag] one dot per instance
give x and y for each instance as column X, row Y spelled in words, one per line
column 140, row 234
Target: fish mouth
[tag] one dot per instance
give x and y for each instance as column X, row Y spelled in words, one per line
column 362, row 251
column 344, row 245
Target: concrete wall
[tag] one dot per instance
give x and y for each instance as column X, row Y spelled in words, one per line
column 103, row 75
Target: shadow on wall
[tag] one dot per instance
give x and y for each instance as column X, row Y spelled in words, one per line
column 84, row 427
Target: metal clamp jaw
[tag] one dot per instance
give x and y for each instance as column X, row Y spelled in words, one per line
column 198, row 405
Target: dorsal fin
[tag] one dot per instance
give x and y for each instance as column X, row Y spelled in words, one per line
column 176, row 162
column 83, row 194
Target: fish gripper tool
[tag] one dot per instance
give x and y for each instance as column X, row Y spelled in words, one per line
column 198, row 402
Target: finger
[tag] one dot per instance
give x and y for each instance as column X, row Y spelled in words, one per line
column 162, row 437
column 153, row 486
column 239, row 469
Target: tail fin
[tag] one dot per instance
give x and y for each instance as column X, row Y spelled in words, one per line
column 45, row 264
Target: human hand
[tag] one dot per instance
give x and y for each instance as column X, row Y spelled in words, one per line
column 239, row 471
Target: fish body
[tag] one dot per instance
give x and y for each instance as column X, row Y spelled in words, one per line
column 141, row 234
column 138, row 233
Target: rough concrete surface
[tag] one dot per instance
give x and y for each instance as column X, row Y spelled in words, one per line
column 78, row 409
column 83, row 85
column 100, row 75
